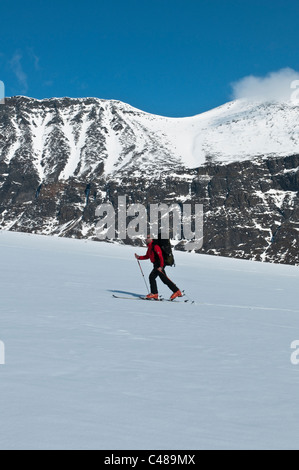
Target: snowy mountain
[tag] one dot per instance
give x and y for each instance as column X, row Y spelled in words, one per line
column 86, row 371
column 61, row 158
column 84, row 137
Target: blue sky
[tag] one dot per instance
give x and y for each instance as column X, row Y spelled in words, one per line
column 167, row 57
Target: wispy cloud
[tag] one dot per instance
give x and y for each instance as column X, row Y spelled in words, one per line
column 275, row 86
column 34, row 58
column 17, row 68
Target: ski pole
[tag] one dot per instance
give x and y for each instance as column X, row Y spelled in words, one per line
column 143, row 276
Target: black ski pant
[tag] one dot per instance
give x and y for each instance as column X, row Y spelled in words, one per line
column 162, row 275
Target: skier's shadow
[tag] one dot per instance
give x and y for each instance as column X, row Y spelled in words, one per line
column 133, row 294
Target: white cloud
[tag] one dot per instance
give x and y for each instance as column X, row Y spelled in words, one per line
column 275, row 86
column 34, row 58
column 16, row 66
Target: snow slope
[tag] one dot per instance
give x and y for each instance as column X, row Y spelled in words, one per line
column 236, row 131
column 86, row 371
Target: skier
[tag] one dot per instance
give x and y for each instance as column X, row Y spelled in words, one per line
column 154, row 253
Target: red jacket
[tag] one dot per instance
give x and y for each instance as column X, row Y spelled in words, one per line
column 152, row 252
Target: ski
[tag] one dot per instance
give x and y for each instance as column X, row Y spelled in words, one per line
column 133, row 298
column 188, row 300
column 161, row 299
column 183, row 301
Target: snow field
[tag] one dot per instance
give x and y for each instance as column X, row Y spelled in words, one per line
column 86, row 371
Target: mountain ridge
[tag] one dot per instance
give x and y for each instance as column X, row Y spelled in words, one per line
column 121, row 137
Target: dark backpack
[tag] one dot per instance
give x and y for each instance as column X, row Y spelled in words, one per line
column 166, row 249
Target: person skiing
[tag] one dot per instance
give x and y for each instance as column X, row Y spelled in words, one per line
column 154, row 253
